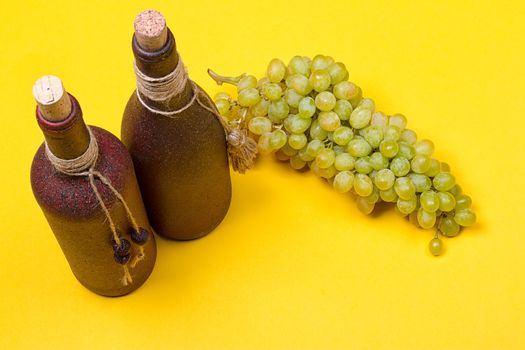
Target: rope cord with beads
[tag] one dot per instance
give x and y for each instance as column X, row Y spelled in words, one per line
column 84, row 165
column 242, row 149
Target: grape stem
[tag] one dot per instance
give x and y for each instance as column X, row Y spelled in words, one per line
column 219, row 79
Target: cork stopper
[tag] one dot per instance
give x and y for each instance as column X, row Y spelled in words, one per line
column 151, row 30
column 53, row 101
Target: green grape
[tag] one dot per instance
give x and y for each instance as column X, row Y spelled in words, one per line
column 281, row 156
column 344, row 109
column 317, row 132
column 223, row 106
column 379, row 119
column 359, row 147
column 447, row 202
column 449, row 227
column 272, row 91
column 288, row 150
column 249, row 97
column 406, row 206
column 263, row 145
column 392, row 133
column 429, row 201
column 373, row 198
column 346, row 90
column 455, row 190
column 221, row 96
column 278, row 139
column 247, row 82
column 337, row 72
column 400, row 166
column 421, row 182
column 320, row 62
column 389, row 148
column 259, row 125
column 426, row 219
column 343, row 181
column 296, row 125
column 320, row 80
column 314, row 147
column 298, row 65
column 373, row 135
column 297, row 141
column 360, row 118
column 404, row 188
column 297, row 163
column 325, row 158
column 344, row 161
column 372, row 175
column 412, row 217
column 292, row 98
column 408, row 136
column 424, row 147
column 420, row 163
column 444, row 181
column 398, row 120
column 276, row 70
column 378, row 161
column 260, row 109
column 338, row 149
column 406, row 150
column 328, row 173
column 363, row 185
column 329, row 121
column 306, row 108
column 462, row 202
column 342, row 135
column 366, row 103
column 362, row 165
column 354, row 100
column 465, row 217
column 445, row 168
column 299, row 83
column 384, row 179
column 389, row 195
column 278, row 110
column 435, row 246
column 364, row 205
column 325, row 101
column 304, row 155
column 434, row 169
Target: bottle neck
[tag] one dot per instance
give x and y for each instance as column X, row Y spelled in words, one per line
column 158, row 64
column 69, row 138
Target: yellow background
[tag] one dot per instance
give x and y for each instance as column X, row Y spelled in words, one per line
column 294, row 265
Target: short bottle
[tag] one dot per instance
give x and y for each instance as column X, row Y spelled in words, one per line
column 83, row 179
column 177, row 143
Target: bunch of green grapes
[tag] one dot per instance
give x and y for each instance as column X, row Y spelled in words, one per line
column 310, row 114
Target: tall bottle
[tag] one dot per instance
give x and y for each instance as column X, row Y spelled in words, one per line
column 177, row 143
column 83, row 179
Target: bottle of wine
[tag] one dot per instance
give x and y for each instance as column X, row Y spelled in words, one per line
column 177, row 143
column 84, row 181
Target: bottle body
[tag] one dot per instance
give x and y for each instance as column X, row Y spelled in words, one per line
column 182, row 168
column 180, row 160
column 79, row 222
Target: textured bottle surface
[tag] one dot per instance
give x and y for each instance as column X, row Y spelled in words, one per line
column 181, row 163
column 79, row 223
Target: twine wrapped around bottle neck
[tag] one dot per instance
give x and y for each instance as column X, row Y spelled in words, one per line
column 84, row 165
column 242, row 149
column 162, row 89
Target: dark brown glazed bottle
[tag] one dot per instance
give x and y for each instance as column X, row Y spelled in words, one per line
column 71, row 206
column 178, row 147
